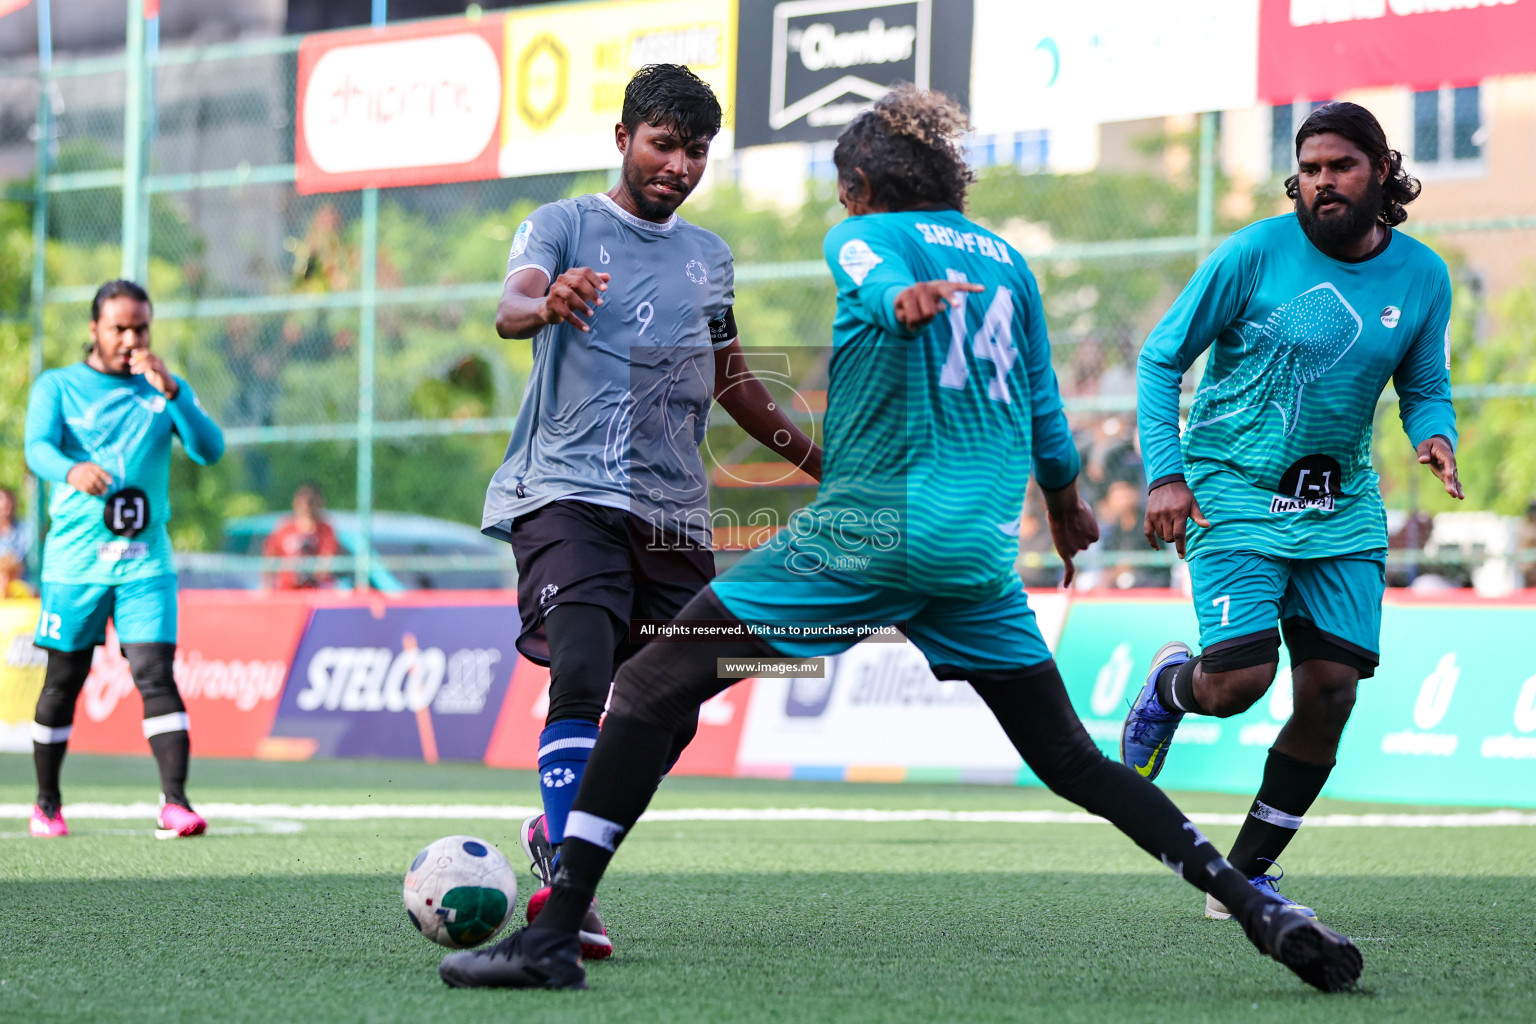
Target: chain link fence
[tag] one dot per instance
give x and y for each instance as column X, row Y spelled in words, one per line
column 346, row 340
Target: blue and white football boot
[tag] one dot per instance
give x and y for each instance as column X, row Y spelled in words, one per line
column 1149, row 727
column 1268, row 886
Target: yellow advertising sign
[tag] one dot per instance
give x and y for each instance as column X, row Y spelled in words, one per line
column 566, row 66
column 21, row 672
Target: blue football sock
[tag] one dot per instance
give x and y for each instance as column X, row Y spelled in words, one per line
column 564, row 748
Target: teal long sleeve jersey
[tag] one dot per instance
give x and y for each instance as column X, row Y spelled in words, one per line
column 1277, row 448
column 938, row 429
column 124, row 425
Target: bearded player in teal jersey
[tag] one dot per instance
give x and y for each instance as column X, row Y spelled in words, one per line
column 1310, row 314
column 100, row 433
column 941, row 400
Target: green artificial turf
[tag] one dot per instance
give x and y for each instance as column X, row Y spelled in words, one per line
column 735, row 921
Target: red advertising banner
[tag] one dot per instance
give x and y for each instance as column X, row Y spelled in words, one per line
column 232, row 659
column 515, row 740
column 1315, row 49
column 415, row 105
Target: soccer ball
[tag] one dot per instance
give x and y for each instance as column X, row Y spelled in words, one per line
column 460, row 891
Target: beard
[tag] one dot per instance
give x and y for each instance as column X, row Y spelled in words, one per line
column 1338, row 231
column 652, row 209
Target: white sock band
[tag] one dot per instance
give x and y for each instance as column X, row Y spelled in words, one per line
column 595, row 830
column 176, row 721
column 568, row 743
column 1264, row 812
column 48, row 734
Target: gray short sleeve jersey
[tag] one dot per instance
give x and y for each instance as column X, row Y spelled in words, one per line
column 615, row 417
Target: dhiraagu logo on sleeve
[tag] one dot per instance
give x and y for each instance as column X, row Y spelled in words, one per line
column 566, row 66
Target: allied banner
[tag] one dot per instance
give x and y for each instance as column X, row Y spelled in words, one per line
column 399, row 681
column 808, row 67
column 413, row 105
column 1314, row 49
column 567, row 66
column 1037, row 65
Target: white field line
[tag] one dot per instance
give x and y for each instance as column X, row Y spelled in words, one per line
column 502, row 812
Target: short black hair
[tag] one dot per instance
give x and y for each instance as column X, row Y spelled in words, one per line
column 116, row 290
column 1353, row 122
column 671, row 96
column 908, row 146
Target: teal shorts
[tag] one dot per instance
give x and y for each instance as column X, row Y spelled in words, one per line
column 824, row 613
column 75, row 615
column 1244, row 596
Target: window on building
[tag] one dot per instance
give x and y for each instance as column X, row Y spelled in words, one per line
column 1447, row 126
column 1285, row 119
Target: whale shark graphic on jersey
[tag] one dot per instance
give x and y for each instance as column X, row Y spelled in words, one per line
column 114, row 422
column 1300, row 341
column 668, row 428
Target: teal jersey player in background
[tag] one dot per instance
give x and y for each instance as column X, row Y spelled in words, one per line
column 1307, row 317
column 99, row 433
column 941, row 400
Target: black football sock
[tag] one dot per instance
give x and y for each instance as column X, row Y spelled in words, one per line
column 1287, row 792
column 617, row 786
column 1176, row 688
column 172, row 750
column 49, row 760
column 53, row 721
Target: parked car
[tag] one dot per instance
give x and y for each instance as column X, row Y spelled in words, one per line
column 461, row 557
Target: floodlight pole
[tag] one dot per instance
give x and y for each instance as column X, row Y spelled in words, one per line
column 366, row 351
column 37, row 490
column 1205, row 214
column 133, row 142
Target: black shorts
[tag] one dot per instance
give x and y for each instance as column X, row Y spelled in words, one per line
column 574, row 552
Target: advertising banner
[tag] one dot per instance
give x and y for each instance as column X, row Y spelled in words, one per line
column 231, row 660
column 399, row 681
column 21, row 673
column 808, row 67
column 1040, row 64
column 414, row 105
column 567, row 66
column 515, row 740
column 1314, row 49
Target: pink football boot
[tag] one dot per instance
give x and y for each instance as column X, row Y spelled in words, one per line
column 43, row 827
column 178, row 822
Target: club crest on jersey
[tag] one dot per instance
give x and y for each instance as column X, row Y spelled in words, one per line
column 695, row 271
column 520, row 238
column 1390, row 316
column 858, row 259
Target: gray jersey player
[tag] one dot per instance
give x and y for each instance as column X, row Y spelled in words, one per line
column 603, row 493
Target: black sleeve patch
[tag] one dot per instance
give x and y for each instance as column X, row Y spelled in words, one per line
column 723, row 329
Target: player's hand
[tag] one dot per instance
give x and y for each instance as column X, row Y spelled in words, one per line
column 1437, row 454
column 143, row 361
column 918, row 304
column 1169, row 509
column 1073, row 526
column 89, row 478
column 572, row 295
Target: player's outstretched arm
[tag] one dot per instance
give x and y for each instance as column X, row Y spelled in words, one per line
column 200, row 436
column 1073, row 525
column 918, row 304
column 530, row 301
column 751, row 406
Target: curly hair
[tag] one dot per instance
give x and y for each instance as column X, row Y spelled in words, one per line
column 1353, row 122
column 908, row 146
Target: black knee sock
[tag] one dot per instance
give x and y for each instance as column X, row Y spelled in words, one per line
column 620, row 778
column 54, row 719
column 1033, row 709
column 1176, row 688
column 1287, row 792
column 49, row 761
column 172, row 750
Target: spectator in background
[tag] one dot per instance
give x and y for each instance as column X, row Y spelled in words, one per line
column 305, row 534
column 12, row 569
column 1120, row 530
column 1036, row 549
column 16, row 535
column 1527, row 544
